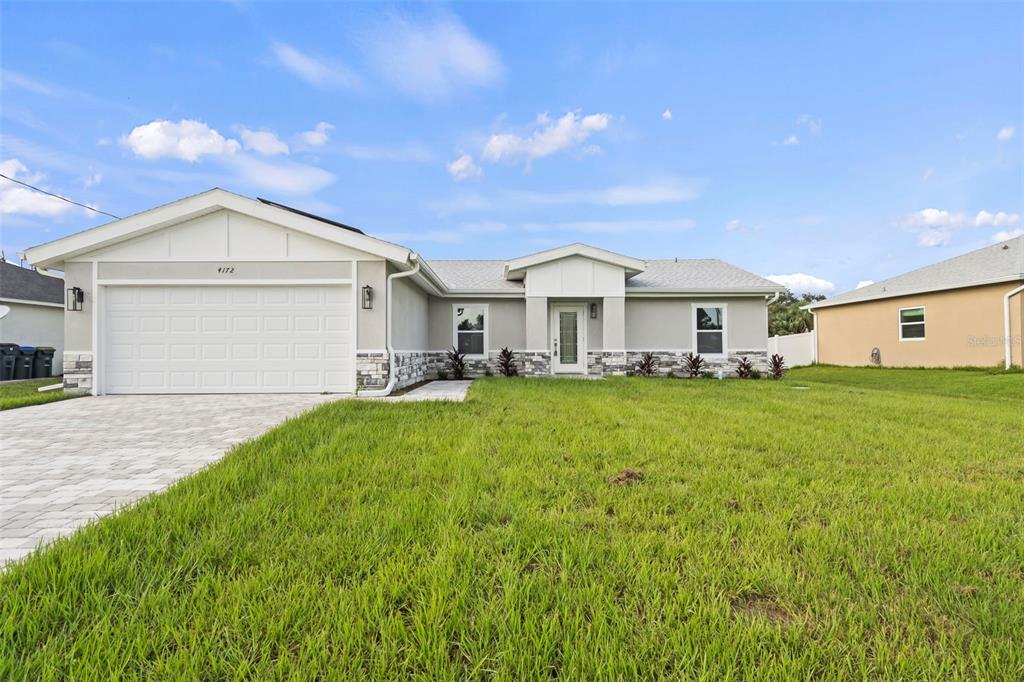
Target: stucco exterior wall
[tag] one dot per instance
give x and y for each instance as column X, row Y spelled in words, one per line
column 78, row 324
column 371, row 325
column 963, row 327
column 1017, row 329
column 409, row 316
column 507, row 322
column 667, row 323
column 35, row 325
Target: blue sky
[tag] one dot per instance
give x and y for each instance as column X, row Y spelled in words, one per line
column 838, row 142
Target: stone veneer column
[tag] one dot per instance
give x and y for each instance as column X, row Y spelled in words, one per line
column 77, row 373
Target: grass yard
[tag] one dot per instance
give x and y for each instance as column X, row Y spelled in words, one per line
column 21, row 393
column 837, row 532
column 972, row 384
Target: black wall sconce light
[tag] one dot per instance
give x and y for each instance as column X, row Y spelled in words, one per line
column 75, row 298
column 593, row 311
column 367, row 297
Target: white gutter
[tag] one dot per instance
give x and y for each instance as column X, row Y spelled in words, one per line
column 392, row 378
column 1006, row 324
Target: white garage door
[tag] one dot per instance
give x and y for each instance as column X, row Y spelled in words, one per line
column 265, row 339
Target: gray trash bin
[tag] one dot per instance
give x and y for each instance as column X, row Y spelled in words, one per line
column 23, row 362
column 8, row 354
column 42, row 364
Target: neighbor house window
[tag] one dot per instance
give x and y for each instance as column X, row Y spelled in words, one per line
column 912, row 324
column 470, row 328
column 709, row 329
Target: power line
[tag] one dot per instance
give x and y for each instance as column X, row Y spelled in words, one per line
column 57, row 196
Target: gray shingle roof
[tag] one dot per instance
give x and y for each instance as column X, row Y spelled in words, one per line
column 1000, row 262
column 687, row 274
column 486, row 275
column 28, row 285
column 698, row 274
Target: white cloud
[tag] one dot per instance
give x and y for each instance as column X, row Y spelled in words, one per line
column 317, row 137
column 1003, row 235
column 16, row 199
column 262, row 142
column 615, row 226
column 937, row 227
column 9, row 79
column 737, row 225
column 929, row 173
column 431, row 59
column 800, row 283
column 550, row 136
column 314, row 71
column 463, row 168
column 813, row 124
column 92, row 180
column 865, row 283
column 998, row 219
column 1005, row 133
column 414, row 151
column 790, row 141
column 667, row 115
column 285, row 177
column 187, row 140
column 669, row 191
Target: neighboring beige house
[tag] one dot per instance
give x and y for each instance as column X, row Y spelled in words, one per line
column 965, row 311
column 218, row 293
column 32, row 309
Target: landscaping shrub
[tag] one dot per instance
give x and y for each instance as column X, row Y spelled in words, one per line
column 442, row 374
column 507, row 363
column 777, row 366
column 647, row 366
column 457, row 363
column 694, row 364
column 745, row 368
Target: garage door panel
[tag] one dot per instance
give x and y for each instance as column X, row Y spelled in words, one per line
column 228, row 339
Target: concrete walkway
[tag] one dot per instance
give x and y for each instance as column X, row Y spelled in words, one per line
column 436, row 390
column 66, row 463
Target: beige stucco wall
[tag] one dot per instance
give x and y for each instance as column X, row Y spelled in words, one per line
column 963, row 327
column 667, row 323
column 507, row 322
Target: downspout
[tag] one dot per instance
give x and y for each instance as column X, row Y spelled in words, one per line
column 1006, row 324
column 392, row 378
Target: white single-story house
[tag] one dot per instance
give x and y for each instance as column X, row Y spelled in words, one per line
column 32, row 309
column 219, row 293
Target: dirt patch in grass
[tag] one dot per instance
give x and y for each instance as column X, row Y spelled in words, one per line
column 626, row 477
column 761, row 607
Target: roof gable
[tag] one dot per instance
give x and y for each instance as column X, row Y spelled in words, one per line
column 56, row 252
column 515, row 269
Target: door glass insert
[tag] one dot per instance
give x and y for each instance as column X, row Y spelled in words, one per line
column 567, row 347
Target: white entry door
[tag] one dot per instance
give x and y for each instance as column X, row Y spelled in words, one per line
column 569, row 345
column 228, row 339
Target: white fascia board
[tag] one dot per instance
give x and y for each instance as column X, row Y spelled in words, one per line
column 21, row 301
column 56, row 252
column 658, row 291
column 514, row 267
column 913, row 292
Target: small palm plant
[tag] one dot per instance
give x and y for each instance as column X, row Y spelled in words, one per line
column 457, row 363
column 507, row 363
column 647, row 366
column 777, row 366
column 694, row 365
column 745, row 368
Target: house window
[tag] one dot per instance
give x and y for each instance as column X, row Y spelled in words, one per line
column 912, row 324
column 709, row 330
column 470, row 328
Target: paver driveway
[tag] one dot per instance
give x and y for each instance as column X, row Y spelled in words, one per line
column 66, row 463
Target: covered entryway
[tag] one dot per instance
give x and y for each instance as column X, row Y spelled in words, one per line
column 228, row 339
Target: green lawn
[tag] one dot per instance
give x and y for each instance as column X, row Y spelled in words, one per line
column 776, row 533
column 974, row 383
column 21, row 393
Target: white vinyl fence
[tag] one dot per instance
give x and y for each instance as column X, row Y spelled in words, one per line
column 797, row 349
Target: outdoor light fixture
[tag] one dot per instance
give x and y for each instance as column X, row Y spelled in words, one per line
column 367, row 297
column 75, row 298
column 593, row 311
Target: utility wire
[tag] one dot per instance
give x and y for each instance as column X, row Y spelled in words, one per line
column 57, row 196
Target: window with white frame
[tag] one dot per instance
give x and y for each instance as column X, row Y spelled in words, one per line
column 709, row 329
column 912, row 324
column 470, row 328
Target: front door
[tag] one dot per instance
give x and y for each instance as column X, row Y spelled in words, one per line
column 569, row 347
